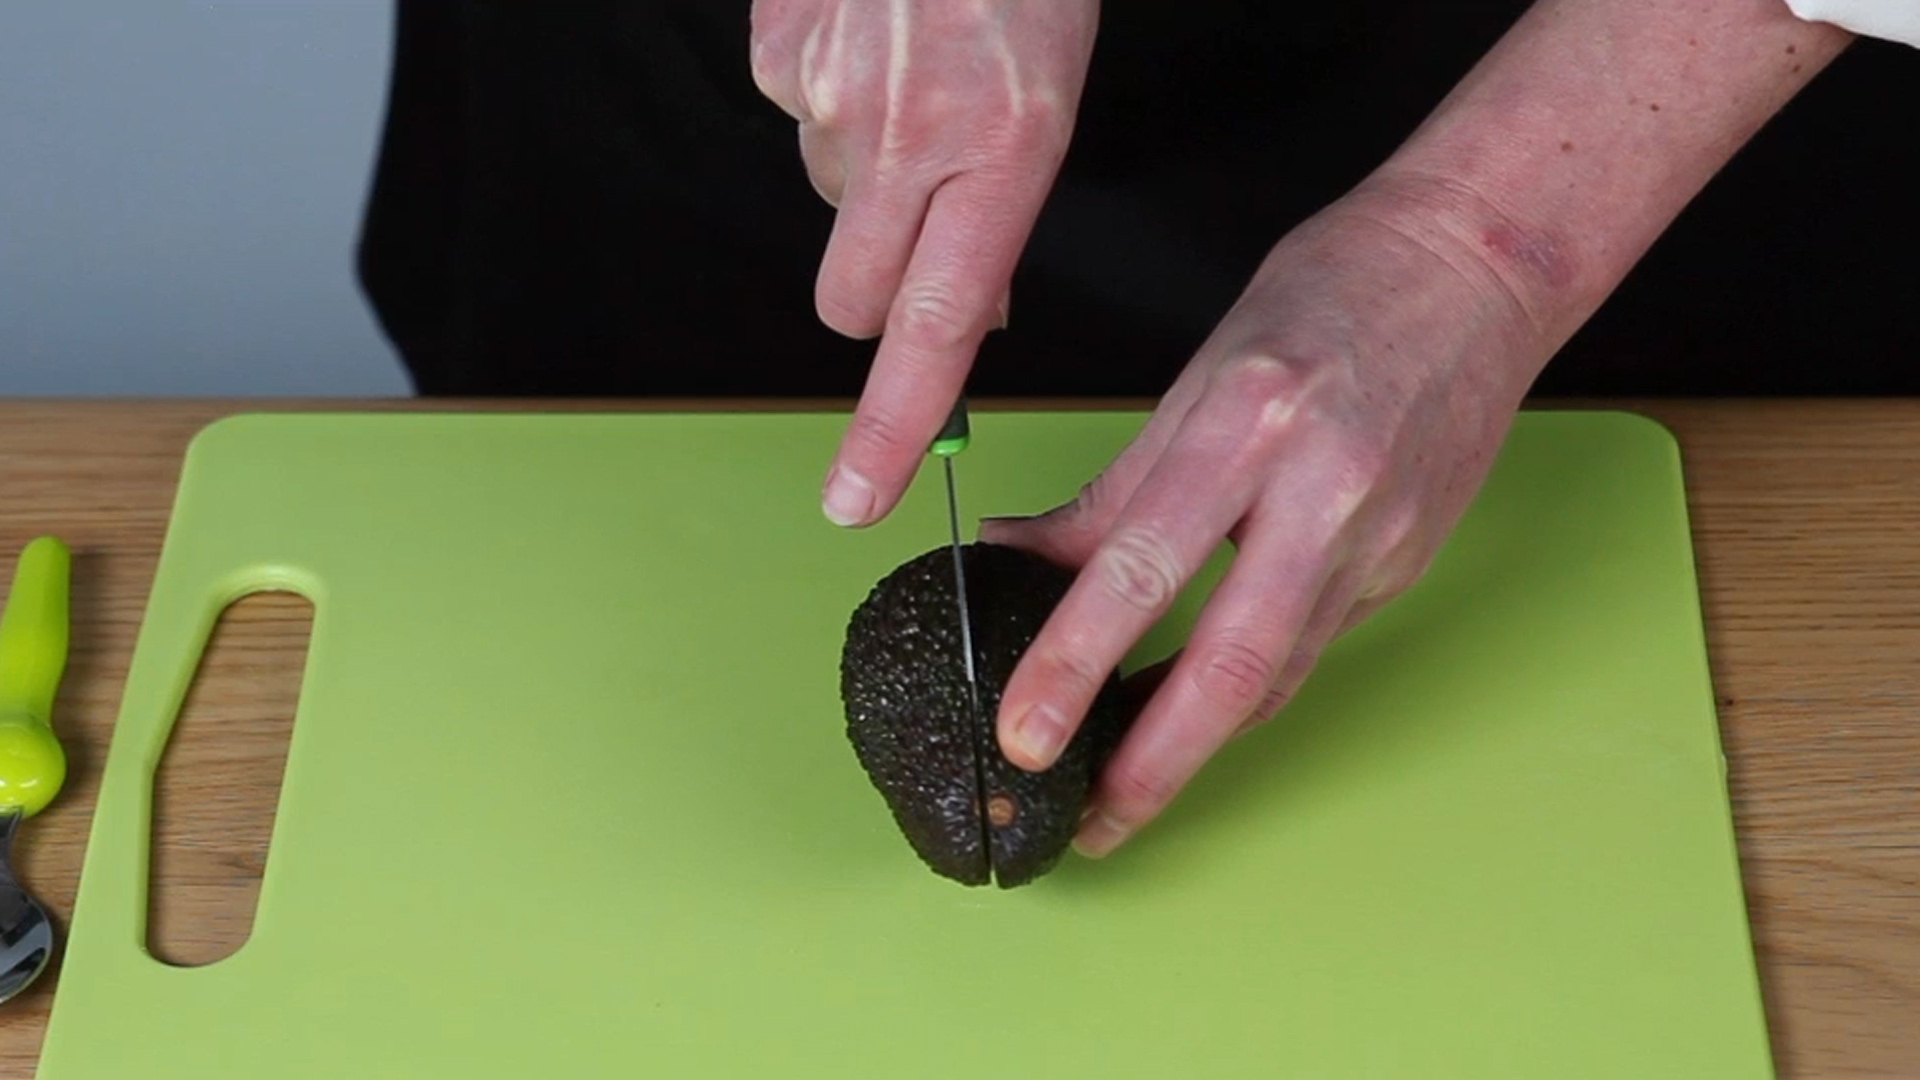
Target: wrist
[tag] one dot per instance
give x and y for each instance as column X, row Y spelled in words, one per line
column 1379, row 285
column 1499, row 329
column 1565, row 153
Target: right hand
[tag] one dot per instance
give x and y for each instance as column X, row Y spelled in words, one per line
column 936, row 128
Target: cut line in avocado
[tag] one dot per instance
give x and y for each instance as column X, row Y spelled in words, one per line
column 910, row 716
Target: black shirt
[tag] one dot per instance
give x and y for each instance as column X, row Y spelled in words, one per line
column 591, row 197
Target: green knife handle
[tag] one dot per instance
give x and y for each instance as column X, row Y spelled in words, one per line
column 33, row 656
column 958, row 431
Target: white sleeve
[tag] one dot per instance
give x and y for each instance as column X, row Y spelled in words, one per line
column 1895, row 20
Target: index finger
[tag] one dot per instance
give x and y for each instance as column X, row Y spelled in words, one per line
column 949, row 298
column 1202, row 486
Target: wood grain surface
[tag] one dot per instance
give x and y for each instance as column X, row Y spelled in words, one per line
column 1807, row 526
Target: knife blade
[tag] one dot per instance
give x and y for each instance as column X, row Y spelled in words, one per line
column 953, row 438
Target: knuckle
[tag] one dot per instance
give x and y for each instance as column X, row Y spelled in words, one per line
column 1397, row 574
column 938, row 107
column 930, row 317
column 1072, row 667
column 1410, row 573
column 846, row 315
column 1235, row 676
column 760, row 56
column 773, row 77
column 1367, row 460
column 819, row 101
column 1263, row 378
column 1030, row 133
column 1135, row 794
column 763, row 76
column 1400, row 527
column 1266, row 393
column 1300, row 665
column 877, row 433
column 1139, row 570
column 1045, row 106
column 1041, row 119
column 1270, row 703
column 1361, row 465
column 830, row 185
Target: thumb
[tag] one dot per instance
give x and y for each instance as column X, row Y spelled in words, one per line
column 1068, row 534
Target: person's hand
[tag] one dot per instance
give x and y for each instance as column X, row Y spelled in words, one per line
column 936, row 129
column 1334, row 427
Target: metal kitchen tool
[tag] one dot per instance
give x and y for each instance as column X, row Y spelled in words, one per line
column 33, row 654
column 952, row 439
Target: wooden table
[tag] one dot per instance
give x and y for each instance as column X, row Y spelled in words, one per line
column 1807, row 517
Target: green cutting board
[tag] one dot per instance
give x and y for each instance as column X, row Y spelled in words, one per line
column 569, row 795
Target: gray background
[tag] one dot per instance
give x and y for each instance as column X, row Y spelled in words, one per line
column 180, row 191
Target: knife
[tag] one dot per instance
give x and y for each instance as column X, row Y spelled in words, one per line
column 953, row 438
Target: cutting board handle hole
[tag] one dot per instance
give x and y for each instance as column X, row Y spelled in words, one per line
column 218, row 784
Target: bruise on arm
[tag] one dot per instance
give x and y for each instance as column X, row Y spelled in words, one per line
column 1584, row 132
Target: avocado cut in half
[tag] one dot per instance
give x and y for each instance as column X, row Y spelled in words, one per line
column 911, row 718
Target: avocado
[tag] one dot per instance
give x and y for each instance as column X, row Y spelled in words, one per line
column 912, row 723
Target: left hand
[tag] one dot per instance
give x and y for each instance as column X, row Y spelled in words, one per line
column 1334, row 427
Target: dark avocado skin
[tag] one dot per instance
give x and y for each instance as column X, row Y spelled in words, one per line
column 911, row 723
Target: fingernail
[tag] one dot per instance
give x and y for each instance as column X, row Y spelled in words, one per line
column 848, row 499
column 1039, row 734
column 1006, row 309
column 1099, row 835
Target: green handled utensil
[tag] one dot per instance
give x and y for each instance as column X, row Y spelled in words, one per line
column 952, row 439
column 957, row 433
column 33, row 656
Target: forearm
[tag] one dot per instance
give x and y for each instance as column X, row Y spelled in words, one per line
column 1575, row 142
